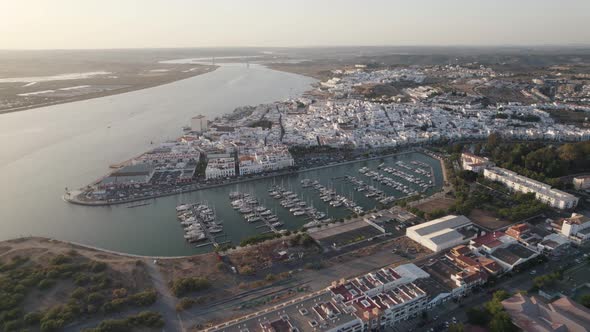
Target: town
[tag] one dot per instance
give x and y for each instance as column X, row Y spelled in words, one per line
column 295, row 166
column 259, row 140
column 464, row 258
column 506, row 226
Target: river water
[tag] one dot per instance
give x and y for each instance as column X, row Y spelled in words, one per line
column 44, row 150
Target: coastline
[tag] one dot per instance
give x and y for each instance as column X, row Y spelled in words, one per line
column 72, row 197
column 108, row 93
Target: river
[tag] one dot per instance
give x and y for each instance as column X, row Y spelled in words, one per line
column 46, row 149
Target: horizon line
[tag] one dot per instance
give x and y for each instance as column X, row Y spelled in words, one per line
column 540, row 45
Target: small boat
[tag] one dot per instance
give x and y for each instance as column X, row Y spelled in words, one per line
column 182, row 207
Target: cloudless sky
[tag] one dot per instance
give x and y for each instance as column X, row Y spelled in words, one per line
column 43, row 24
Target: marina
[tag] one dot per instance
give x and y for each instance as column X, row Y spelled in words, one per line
column 254, row 212
column 248, row 208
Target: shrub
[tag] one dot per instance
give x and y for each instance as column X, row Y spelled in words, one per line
column 184, row 303
column 33, row 318
column 114, row 305
column 144, row 298
column 46, row 284
column 247, row 270
column 97, row 266
column 59, row 260
column 78, row 293
column 186, row 285
column 51, row 325
column 12, row 325
column 147, row 319
column 81, row 279
column 95, row 298
column 119, row 293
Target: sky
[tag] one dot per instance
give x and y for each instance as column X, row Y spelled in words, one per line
column 81, row 24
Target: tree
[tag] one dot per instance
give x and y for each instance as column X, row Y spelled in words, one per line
column 494, row 307
column 501, row 323
column 457, row 327
column 501, row 295
column 477, row 317
column 585, row 300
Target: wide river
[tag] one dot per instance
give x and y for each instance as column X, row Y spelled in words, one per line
column 70, row 145
column 44, row 150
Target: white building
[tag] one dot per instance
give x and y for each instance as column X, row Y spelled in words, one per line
column 265, row 159
column 582, row 182
column 576, row 228
column 382, row 298
column 477, row 164
column 199, row 123
column 441, row 233
column 543, row 192
column 220, row 166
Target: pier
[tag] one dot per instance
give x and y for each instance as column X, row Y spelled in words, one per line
column 253, row 211
column 200, row 223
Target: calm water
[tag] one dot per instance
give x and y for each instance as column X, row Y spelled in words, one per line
column 236, row 227
column 46, row 149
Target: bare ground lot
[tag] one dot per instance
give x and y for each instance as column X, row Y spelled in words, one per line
column 317, row 70
column 441, row 203
column 487, row 219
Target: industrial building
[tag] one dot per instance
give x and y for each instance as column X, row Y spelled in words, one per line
column 442, row 233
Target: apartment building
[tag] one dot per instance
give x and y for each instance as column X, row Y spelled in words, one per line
column 220, row 166
column 477, row 164
column 543, row 192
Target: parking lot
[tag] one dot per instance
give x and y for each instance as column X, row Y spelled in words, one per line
column 340, row 235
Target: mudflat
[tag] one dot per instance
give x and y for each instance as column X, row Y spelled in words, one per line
column 30, row 79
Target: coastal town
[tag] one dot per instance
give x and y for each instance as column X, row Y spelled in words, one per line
column 258, row 140
column 282, row 166
column 343, row 210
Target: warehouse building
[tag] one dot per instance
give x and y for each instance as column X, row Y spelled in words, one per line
column 442, row 233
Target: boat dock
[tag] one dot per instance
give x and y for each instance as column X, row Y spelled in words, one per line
column 294, row 204
column 200, row 224
column 254, row 212
column 329, row 196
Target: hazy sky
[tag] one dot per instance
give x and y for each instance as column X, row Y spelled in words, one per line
column 41, row 24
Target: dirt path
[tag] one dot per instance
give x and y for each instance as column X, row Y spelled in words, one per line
column 166, row 303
